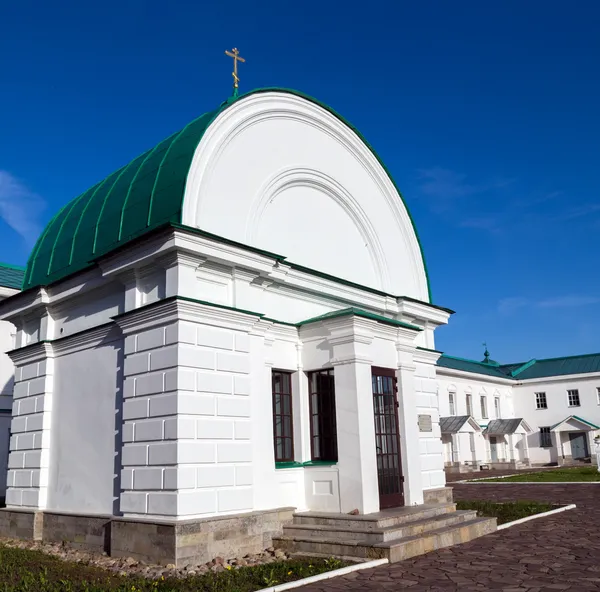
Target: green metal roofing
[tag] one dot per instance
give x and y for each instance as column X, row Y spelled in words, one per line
column 359, row 312
column 454, row 363
column 139, row 197
column 549, row 368
column 11, row 276
column 583, row 364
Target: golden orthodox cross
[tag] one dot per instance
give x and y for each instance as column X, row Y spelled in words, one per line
column 235, row 54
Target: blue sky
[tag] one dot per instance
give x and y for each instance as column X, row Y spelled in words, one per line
column 486, row 113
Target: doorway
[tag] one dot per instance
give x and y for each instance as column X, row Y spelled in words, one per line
column 578, row 445
column 387, row 438
column 493, row 448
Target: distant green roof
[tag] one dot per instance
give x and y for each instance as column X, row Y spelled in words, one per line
column 139, row 197
column 583, row 364
column 359, row 312
column 446, row 361
column 11, row 276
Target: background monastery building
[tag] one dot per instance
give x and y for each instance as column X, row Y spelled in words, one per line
column 193, row 341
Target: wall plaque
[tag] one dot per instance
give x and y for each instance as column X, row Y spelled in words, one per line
column 425, row 423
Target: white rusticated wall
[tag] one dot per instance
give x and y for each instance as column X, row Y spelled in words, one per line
column 558, row 409
column 187, row 429
column 85, row 433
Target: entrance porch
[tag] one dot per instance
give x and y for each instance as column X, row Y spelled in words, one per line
column 573, row 438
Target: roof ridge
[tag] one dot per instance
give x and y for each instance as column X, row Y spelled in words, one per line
column 468, row 360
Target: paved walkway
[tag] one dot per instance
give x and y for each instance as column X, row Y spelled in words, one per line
column 560, row 552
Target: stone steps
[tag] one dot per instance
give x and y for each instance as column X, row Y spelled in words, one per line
column 397, row 534
column 394, row 550
column 376, row 521
column 379, row 535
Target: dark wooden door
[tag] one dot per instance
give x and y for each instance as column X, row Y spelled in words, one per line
column 387, row 439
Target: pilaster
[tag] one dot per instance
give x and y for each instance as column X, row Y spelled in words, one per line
column 350, row 339
column 29, row 457
column 408, row 424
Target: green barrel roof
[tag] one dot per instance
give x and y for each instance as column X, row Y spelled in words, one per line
column 141, row 196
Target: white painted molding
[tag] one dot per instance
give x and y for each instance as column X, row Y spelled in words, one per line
column 85, row 339
column 310, row 178
column 174, row 309
column 31, row 353
column 426, row 357
column 326, row 576
column 276, row 106
column 535, row 516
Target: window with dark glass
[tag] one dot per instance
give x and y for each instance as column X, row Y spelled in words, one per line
column 283, row 432
column 545, row 438
column 323, row 431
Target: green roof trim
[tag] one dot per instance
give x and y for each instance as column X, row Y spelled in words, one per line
column 11, row 276
column 522, row 368
column 358, row 312
column 139, row 197
column 577, row 418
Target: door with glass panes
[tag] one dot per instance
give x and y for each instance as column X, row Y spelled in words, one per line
column 387, row 438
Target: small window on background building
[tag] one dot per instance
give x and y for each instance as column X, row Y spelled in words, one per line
column 283, row 431
column 452, row 405
column 545, row 438
column 469, row 405
column 540, row 401
column 598, row 394
column 484, row 413
column 323, row 429
column 497, row 407
column 573, row 398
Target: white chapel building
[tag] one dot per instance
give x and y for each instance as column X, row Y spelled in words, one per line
column 235, row 326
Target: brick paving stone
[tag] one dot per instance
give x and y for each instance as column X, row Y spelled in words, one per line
column 556, row 553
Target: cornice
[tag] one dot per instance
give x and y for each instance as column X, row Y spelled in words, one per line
column 180, row 308
column 87, row 339
column 426, row 356
column 33, row 352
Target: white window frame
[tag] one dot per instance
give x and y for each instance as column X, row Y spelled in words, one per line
column 541, row 401
column 452, row 403
column 571, row 394
column 497, row 407
column 598, row 394
column 484, row 409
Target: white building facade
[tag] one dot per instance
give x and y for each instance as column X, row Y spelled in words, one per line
column 542, row 412
column 221, row 328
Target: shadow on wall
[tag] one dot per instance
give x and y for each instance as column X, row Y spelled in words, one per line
column 5, row 421
column 118, row 429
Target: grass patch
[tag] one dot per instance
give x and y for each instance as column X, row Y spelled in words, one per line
column 505, row 512
column 556, row 475
column 24, row 570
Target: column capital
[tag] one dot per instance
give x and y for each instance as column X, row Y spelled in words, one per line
column 352, row 359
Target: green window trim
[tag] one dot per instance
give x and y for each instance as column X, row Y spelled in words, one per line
column 309, row 463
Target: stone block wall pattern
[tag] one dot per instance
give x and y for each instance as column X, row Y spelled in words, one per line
column 186, row 421
column 155, row 541
column 29, row 458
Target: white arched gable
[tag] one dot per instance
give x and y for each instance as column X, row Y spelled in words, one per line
column 278, row 172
